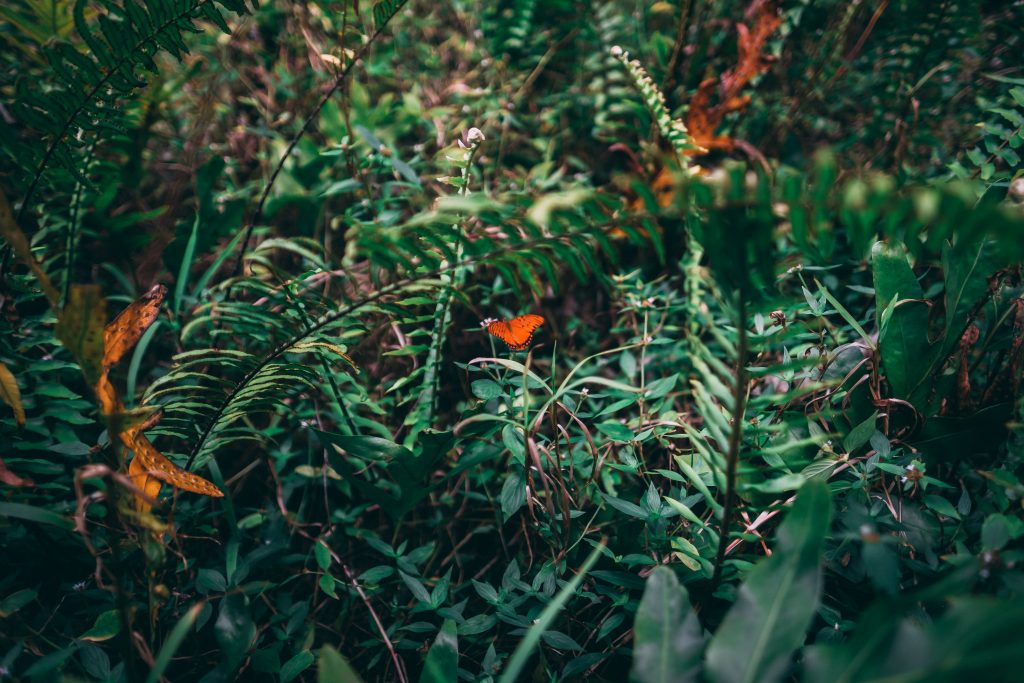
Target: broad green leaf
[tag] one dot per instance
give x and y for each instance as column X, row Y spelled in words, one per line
column 173, row 642
column 442, row 664
column 108, row 625
column 35, row 514
column 616, row 431
column 903, row 342
column 941, row 506
column 668, row 640
column 323, row 555
column 369, row 447
column 513, row 494
column 417, row 587
column 778, row 600
column 333, row 668
column 235, row 631
column 977, row 639
column 486, row 389
column 995, row 532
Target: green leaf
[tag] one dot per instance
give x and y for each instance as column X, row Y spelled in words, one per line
column 860, row 434
column 15, row 601
column 965, row 273
column 370, row 447
column 186, row 264
column 941, row 506
column 903, row 341
column 442, row 664
column 995, row 532
column 235, row 631
column 333, row 668
column 616, row 431
column 210, row 581
column 668, row 640
column 51, row 661
column 513, row 494
column 327, row 584
column 173, row 642
column 624, row 506
column 977, row 639
column 323, row 555
column 524, row 649
column 35, row 514
column 296, row 665
column 107, row 625
column 778, row 600
column 659, row 388
column 486, row 389
column 417, row 587
column 560, row 641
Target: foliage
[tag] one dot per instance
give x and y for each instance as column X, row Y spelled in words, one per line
column 770, row 429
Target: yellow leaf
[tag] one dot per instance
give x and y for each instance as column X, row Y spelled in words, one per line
column 10, row 394
column 19, row 243
column 155, row 464
column 124, row 332
column 80, row 328
column 150, row 485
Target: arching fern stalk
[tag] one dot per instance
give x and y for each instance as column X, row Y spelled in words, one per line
column 82, row 103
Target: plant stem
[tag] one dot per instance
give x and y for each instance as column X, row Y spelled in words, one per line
column 735, row 437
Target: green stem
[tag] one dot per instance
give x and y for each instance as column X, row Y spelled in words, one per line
column 735, row 438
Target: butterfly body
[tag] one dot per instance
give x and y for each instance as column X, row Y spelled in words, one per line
column 516, row 333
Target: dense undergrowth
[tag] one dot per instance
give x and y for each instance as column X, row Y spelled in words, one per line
column 771, row 427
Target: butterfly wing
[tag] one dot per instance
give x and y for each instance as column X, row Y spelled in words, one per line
column 517, row 333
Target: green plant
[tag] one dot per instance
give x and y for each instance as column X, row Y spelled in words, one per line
column 770, row 428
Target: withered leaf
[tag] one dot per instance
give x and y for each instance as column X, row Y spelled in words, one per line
column 80, row 328
column 704, row 117
column 156, row 464
column 10, row 231
column 124, row 332
column 149, row 485
column 149, row 469
column 12, row 479
column 10, row 394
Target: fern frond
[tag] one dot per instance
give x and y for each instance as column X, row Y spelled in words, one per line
column 422, row 415
column 672, row 129
column 84, row 100
column 996, row 159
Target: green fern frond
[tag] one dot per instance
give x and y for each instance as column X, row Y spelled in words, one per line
column 997, row 157
column 421, row 417
column 672, row 129
column 83, row 102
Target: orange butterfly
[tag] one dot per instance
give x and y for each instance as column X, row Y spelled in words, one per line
column 517, row 333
